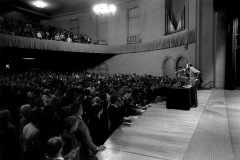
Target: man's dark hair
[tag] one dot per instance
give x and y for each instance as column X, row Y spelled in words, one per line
column 96, row 108
column 53, row 147
column 127, row 91
column 113, row 98
column 190, row 64
column 5, row 117
column 36, row 116
column 74, row 107
column 69, row 122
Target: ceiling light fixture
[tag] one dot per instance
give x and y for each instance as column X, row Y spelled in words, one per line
column 40, row 4
column 104, row 8
column 28, row 58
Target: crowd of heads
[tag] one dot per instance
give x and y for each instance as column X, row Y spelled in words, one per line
column 48, row 100
column 33, row 29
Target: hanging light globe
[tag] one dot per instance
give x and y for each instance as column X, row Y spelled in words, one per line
column 104, row 9
column 40, row 4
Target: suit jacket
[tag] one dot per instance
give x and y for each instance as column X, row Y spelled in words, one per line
column 129, row 108
column 193, row 73
column 105, row 119
column 32, row 141
column 115, row 117
column 97, row 130
column 88, row 148
column 70, row 143
column 9, row 146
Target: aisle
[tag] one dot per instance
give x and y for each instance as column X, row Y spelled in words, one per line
column 211, row 140
column 233, row 111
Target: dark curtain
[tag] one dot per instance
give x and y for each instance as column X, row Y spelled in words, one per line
column 231, row 71
column 231, row 8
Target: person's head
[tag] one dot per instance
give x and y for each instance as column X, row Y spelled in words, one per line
column 38, row 102
column 87, row 92
column 127, row 93
column 46, row 91
column 36, row 116
column 188, row 65
column 103, row 96
column 58, row 93
column 70, row 124
column 97, row 109
column 76, row 108
column 26, row 111
column 113, row 99
column 119, row 102
column 97, row 100
column 5, row 117
column 90, row 85
column 53, row 148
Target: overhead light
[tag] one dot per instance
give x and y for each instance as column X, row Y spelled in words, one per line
column 28, row 58
column 40, row 4
column 104, row 8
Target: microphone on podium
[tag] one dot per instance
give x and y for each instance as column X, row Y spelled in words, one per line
column 180, row 70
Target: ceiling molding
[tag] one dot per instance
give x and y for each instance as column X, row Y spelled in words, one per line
column 85, row 10
column 27, row 10
column 70, row 13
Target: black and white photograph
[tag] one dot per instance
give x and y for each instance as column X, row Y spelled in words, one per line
column 119, row 79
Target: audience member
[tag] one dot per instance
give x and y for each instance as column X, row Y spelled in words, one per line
column 9, row 147
column 115, row 112
column 47, row 98
column 54, row 149
column 88, row 148
column 130, row 109
column 25, row 115
column 105, row 117
column 96, row 126
column 32, row 137
column 71, row 145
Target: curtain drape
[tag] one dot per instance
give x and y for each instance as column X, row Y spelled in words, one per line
column 175, row 11
column 231, row 72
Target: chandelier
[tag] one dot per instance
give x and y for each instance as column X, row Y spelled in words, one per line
column 104, row 9
column 40, row 4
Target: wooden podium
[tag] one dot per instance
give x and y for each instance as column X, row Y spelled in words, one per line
column 182, row 79
column 180, row 98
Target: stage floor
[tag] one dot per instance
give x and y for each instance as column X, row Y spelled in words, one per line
column 208, row 132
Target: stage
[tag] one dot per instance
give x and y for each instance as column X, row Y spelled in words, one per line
column 210, row 131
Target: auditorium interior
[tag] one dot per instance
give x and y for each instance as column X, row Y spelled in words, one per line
column 149, row 40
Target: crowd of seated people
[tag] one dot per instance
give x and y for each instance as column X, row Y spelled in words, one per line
column 56, row 115
column 36, row 30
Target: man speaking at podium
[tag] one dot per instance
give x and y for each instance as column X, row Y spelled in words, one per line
column 193, row 74
column 188, row 76
column 183, row 95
